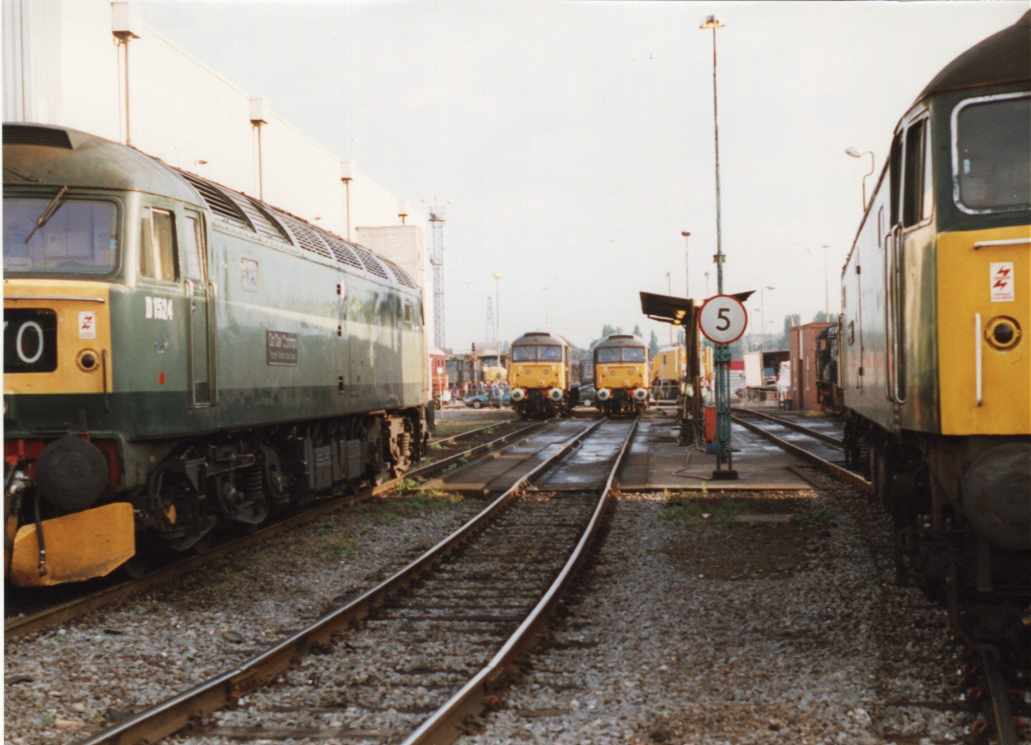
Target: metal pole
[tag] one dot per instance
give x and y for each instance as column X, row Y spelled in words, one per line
column 669, row 291
column 687, row 263
column 724, row 454
column 762, row 314
column 497, row 309
column 826, row 286
column 347, row 200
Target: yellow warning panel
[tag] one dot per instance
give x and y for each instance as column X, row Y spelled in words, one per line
column 80, row 546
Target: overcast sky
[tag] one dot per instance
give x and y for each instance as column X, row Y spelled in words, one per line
column 573, row 142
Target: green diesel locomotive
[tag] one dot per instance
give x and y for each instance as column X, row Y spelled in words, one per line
column 178, row 355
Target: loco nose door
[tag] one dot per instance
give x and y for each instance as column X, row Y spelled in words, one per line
column 198, row 296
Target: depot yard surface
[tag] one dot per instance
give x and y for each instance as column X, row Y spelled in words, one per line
column 743, row 616
column 758, row 617
column 75, row 680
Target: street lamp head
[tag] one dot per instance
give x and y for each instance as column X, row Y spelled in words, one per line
column 497, row 275
column 853, row 152
column 685, row 233
column 711, row 22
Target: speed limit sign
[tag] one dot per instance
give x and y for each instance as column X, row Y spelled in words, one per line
column 723, row 319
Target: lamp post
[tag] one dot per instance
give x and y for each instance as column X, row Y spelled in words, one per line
column 724, row 455
column 826, row 285
column 762, row 314
column 669, row 291
column 854, row 152
column 687, row 264
column 497, row 308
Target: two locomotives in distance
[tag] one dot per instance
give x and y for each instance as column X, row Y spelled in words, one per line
column 543, row 382
column 163, row 375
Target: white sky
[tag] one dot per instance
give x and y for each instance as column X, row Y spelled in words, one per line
column 573, row 142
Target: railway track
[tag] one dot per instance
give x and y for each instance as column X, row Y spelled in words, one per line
column 823, row 451
column 999, row 694
column 428, row 646
column 31, row 613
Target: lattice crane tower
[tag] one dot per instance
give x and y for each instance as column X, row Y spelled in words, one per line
column 437, row 262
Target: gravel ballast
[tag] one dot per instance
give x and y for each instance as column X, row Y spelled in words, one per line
column 68, row 682
column 743, row 619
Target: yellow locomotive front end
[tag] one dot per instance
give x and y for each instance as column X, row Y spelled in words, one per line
column 539, row 375
column 621, row 375
column 58, row 374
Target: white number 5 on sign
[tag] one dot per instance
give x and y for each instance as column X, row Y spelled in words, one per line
column 723, row 319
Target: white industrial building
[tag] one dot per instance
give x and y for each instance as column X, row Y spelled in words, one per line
column 93, row 65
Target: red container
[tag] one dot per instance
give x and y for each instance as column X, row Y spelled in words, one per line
column 710, row 424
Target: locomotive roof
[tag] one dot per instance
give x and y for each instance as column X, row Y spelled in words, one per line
column 39, row 154
column 1003, row 57
column 620, row 340
column 541, row 338
column 44, row 155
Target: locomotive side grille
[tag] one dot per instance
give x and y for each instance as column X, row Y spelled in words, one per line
column 260, row 219
column 340, row 249
column 371, row 263
column 305, row 236
column 218, row 201
column 400, row 274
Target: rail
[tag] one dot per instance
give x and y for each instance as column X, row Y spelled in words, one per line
column 215, row 693
column 443, row 725
column 61, row 613
column 833, row 469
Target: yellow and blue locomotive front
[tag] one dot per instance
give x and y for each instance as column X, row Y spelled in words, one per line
column 935, row 363
column 539, row 375
column 984, row 311
column 65, row 238
column 621, row 374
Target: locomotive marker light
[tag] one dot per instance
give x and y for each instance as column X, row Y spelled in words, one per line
column 723, row 319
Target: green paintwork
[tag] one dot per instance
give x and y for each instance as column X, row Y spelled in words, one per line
column 356, row 352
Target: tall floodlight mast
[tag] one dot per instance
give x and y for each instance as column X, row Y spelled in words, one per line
column 492, row 328
column 437, row 262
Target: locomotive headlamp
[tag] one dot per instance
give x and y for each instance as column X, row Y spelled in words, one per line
column 640, row 394
column 1003, row 332
column 604, row 394
column 518, row 394
column 87, row 360
column 555, row 394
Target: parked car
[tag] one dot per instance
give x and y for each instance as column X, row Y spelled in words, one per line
column 478, row 400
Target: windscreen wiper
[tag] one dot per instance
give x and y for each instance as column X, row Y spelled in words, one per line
column 48, row 212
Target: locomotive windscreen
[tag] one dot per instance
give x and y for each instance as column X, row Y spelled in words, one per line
column 993, row 151
column 80, row 237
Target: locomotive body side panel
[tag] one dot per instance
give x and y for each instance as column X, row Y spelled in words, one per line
column 864, row 348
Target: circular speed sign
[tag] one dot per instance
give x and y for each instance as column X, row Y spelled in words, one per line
column 723, row 319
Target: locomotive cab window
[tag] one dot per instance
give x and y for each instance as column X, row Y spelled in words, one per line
column 194, row 263
column 158, row 246
column 916, row 199
column 992, row 151
column 58, row 235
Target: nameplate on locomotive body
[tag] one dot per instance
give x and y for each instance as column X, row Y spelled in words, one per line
column 280, row 348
